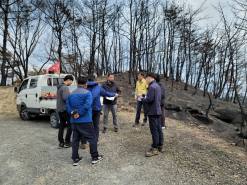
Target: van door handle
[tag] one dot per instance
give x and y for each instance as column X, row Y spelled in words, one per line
column 26, row 95
column 36, row 95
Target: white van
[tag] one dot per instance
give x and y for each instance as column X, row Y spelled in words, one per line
column 37, row 96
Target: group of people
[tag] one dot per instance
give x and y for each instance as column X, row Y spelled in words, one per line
column 150, row 94
column 140, row 93
column 79, row 111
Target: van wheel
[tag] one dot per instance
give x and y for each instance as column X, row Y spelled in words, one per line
column 24, row 114
column 54, row 120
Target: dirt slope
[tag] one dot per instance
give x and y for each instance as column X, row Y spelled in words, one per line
column 7, row 102
column 187, row 107
column 194, row 153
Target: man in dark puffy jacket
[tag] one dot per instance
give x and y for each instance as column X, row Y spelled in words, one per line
column 79, row 107
column 163, row 123
column 97, row 91
column 62, row 95
column 110, row 104
column 153, row 101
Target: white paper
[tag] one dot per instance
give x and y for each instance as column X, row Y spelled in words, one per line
column 110, row 98
column 139, row 98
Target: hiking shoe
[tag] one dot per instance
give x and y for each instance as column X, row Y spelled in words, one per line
column 160, row 148
column 144, row 122
column 104, row 130
column 67, row 145
column 152, row 152
column 83, row 146
column 76, row 161
column 97, row 159
column 61, row 145
column 115, row 129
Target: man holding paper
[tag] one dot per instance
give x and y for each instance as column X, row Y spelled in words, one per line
column 110, row 103
column 140, row 93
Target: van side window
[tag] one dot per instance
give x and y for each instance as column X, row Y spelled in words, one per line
column 24, row 85
column 49, row 82
column 60, row 81
column 55, row 82
column 33, row 83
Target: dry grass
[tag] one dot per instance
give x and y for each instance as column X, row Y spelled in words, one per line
column 7, row 102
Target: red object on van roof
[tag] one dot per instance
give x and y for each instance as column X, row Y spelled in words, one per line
column 55, row 68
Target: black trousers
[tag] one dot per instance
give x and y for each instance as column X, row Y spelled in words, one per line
column 64, row 122
column 139, row 106
column 156, row 131
column 162, row 117
column 96, row 120
column 85, row 130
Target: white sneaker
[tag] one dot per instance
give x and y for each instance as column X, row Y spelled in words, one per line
column 96, row 160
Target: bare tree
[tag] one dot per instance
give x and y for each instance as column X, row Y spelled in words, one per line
column 57, row 14
column 5, row 11
column 25, row 31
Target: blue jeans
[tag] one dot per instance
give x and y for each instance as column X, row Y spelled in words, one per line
column 107, row 108
column 156, row 131
column 139, row 106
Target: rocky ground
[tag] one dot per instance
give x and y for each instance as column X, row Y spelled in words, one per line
column 195, row 152
column 193, row 155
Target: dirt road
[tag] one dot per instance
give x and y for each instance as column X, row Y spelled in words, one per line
column 29, row 155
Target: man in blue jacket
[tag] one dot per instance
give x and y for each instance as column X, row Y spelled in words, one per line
column 162, row 118
column 79, row 107
column 97, row 91
column 153, row 101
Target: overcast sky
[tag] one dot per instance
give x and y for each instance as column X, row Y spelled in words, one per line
column 209, row 8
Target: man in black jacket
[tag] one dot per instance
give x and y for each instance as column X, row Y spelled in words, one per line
column 62, row 96
column 153, row 101
column 163, row 123
column 110, row 103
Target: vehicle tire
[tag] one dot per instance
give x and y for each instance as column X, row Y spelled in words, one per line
column 24, row 114
column 54, row 120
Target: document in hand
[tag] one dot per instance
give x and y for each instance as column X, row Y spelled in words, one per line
column 139, row 98
column 110, row 98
